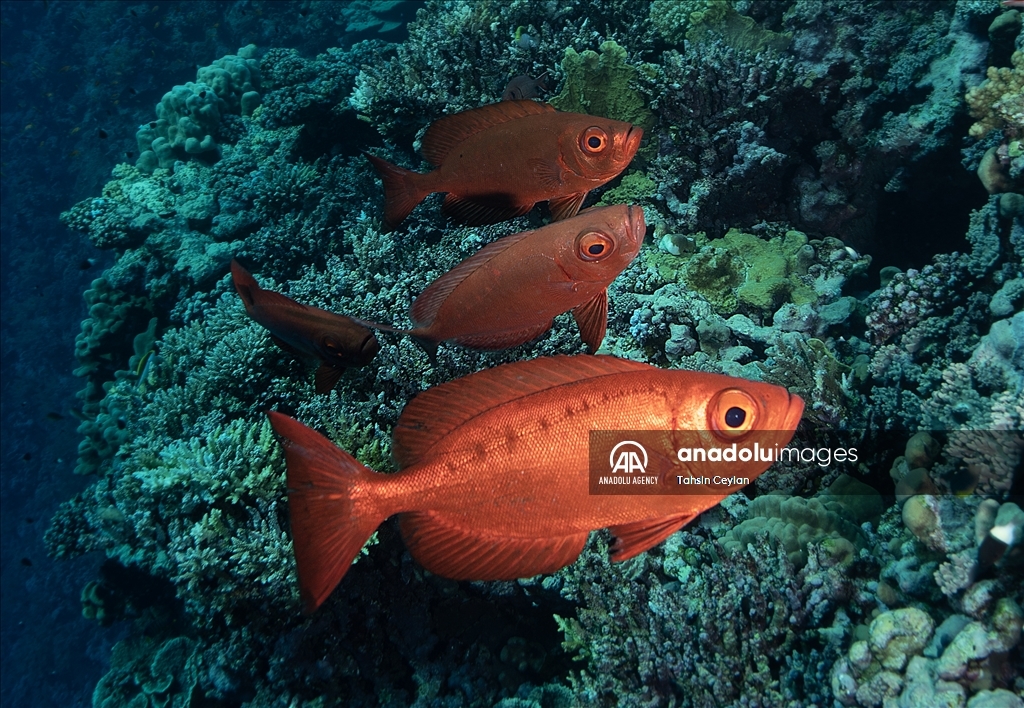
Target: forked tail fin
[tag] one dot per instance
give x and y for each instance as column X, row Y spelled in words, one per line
column 401, row 192
column 329, row 523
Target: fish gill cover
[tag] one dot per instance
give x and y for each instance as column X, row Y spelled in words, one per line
column 812, row 177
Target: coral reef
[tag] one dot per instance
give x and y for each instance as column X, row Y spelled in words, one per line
column 776, row 133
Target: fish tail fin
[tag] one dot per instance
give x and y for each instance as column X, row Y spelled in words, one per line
column 332, row 514
column 401, row 190
column 245, row 284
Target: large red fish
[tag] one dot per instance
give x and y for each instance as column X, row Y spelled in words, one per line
column 308, row 332
column 494, row 480
column 495, row 162
column 510, row 291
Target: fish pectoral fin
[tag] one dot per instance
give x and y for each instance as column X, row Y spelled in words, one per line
column 592, row 319
column 479, row 212
column 285, row 346
column 327, row 376
column 493, row 341
column 635, row 538
column 567, row 206
column 547, row 172
column 451, row 550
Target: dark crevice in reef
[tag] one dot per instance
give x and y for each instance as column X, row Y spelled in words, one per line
column 328, row 133
column 929, row 215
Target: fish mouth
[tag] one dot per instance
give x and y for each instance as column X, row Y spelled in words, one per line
column 637, row 224
column 794, row 411
column 633, row 138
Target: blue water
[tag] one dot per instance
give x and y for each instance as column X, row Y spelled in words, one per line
column 867, row 142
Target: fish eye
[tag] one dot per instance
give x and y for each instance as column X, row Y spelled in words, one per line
column 593, row 140
column 594, row 245
column 732, row 413
column 332, row 346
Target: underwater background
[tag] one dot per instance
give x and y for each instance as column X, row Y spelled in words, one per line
column 835, row 198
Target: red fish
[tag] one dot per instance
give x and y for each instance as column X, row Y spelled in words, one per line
column 308, row 332
column 510, row 291
column 494, row 468
column 523, row 86
column 495, row 162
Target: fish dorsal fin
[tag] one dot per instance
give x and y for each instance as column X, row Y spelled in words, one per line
column 254, row 296
column 436, row 412
column 592, row 319
column 450, row 550
column 478, row 212
column 447, row 132
column 425, row 308
column 635, row 538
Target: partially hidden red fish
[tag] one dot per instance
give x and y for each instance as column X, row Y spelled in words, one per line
column 510, row 291
column 523, row 86
column 335, row 340
column 495, row 162
column 494, row 468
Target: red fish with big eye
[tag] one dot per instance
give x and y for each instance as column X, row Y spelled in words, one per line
column 494, row 479
column 335, row 340
column 495, row 162
column 511, row 290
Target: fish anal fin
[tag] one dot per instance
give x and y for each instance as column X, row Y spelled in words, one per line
column 592, row 319
column 492, row 341
column 479, row 212
column 327, row 376
column 425, row 307
column 452, row 551
column 547, row 172
column 567, row 206
column 433, row 414
column 329, row 524
column 285, row 346
column 635, row 538
column 447, row 132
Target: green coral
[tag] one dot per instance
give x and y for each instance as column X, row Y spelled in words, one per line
column 720, row 21
column 742, row 271
column 635, row 187
column 599, row 84
column 671, row 18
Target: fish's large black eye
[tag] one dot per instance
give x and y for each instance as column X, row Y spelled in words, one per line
column 594, row 245
column 735, row 416
column 593, row 140
column 732, row 413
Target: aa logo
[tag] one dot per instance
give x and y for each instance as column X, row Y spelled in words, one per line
column 628, row 457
